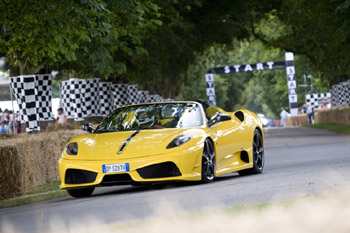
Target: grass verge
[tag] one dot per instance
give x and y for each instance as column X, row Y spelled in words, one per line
column 342, row 129
column 36, row 194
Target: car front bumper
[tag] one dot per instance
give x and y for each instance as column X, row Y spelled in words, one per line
column 180, row 165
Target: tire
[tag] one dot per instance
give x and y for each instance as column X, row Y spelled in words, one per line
column 85, row 192
column 208, row 162
column 258, row 156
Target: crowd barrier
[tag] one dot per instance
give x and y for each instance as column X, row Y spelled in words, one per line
column 337, row 115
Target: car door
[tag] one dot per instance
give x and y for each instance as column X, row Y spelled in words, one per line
column 228, row 142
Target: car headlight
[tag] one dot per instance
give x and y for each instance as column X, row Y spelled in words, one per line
column 178, row 141
column 72, row 148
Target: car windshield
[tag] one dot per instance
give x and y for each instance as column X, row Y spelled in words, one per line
column 152, row 116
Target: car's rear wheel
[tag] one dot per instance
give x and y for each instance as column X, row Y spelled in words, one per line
column 85, row 192
column 208, row 162
column 258, row 155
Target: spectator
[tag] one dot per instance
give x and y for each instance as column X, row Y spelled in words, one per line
column 61, row 117
column 11, row 122
column 284, row 115
column 300, row 110
column 18, row 122
column 2, row 128
column 6, row 126
column 310, row 113
column 5, row 115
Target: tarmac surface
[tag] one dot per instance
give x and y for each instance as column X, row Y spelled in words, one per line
column 299, row 162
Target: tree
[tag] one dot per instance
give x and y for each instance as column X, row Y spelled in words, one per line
column 260, row 91
column 317, row 29
column 87, row 36
column 130, row 23
column 188, row 27
column 35, row 34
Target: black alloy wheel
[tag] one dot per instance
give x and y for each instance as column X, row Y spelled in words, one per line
column 208, row 162
column 84, row 192
column 258, row 155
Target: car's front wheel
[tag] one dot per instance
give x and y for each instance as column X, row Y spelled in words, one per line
column 208, row 162
column 85, row 192
column 258, row 155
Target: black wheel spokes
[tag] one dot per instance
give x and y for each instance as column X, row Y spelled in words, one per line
column 208, row 160
column 258, row 151
column 207, row 148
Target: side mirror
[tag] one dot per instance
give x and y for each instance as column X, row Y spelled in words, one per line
column 218, row 118
column 88, row 127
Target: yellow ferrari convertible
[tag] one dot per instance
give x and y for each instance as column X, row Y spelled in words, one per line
column 156, row 142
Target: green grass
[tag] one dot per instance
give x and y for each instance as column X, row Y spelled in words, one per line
column 342, row 129
column 36, row 194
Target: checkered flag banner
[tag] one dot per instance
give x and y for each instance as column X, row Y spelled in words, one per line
column 90, row 90
column 44, row 87
column 16, row 84
column 154, row 98
column 33, row 95
column 81, row 98
column 144, row 96
column 120, row 95
column 84, row 98
column 106, row 98
column 314, row 99
column 66, row 100
column 72, row 98
column 344, row 93
column 347, row 93
column 334, row 93
column 341, row 94
column 133, row 94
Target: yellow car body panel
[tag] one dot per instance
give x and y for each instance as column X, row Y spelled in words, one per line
column 149, row 147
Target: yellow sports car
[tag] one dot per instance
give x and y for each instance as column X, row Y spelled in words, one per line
column 169, row 141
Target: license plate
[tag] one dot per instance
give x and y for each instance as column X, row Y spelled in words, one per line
column 115, row 168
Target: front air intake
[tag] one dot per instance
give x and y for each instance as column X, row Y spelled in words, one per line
column 116, row 179
column 161, row 170
column 76, row 176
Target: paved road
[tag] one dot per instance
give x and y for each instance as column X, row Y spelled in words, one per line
column 299, row 162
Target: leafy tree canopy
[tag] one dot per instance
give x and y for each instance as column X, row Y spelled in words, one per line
column 317, row 29
column 82, row 35
column 162, row 44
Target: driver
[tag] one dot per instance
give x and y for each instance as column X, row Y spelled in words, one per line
column 144, row 119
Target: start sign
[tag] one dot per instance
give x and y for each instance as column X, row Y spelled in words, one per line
column 287, row 64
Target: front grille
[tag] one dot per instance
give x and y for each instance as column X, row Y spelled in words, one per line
column 116, row 179
column 76, row 176
column 161, row 170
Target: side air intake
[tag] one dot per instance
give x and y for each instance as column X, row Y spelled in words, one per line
column 244, row 156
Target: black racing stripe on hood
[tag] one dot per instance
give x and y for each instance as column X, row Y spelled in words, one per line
column 127, row 141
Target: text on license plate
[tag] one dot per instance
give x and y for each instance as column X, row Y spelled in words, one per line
column 113, row 168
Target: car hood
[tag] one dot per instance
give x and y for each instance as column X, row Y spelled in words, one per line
column 136, row 144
